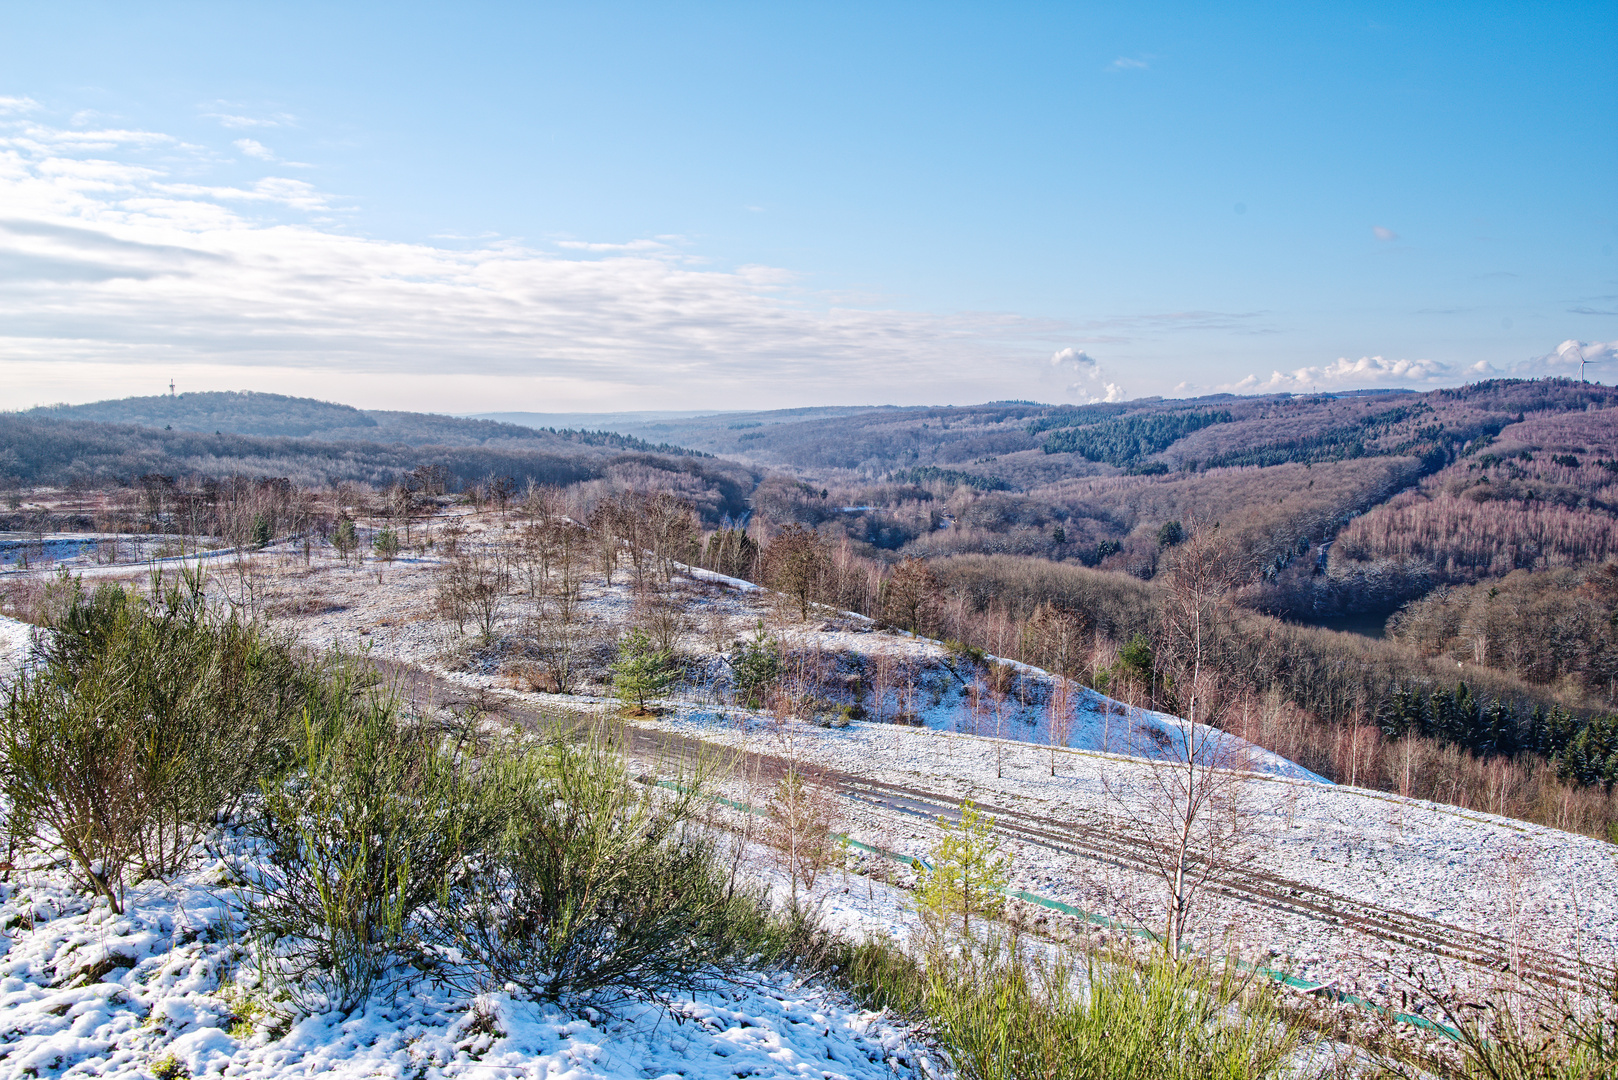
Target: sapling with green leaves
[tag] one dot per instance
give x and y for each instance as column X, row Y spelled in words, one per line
column 969, row 871
column 642, row 671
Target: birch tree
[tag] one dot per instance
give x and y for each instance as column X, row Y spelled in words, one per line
column 1191, row 802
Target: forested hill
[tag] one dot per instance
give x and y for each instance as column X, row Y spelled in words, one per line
column 277, row 415
column 45, row 448
column 1021, row 445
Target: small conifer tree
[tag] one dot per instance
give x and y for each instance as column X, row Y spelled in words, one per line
column 969, row 873
column 755, row 668
column 386, row 545
column 641, row 672
column 346, row 538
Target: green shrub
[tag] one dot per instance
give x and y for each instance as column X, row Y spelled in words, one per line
column 144, row 723
column 597, row 888
column 1537, row 1032
column 962, row 653
column 346, row 537
column 755, row 668
column 641, row 672
column 386, row 545
column 361, row 838
column 1006, row 1012
column 1135, row 658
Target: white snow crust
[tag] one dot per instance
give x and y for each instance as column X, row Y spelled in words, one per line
column 85, row 992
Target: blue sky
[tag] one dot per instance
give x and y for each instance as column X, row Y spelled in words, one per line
column 616, row 206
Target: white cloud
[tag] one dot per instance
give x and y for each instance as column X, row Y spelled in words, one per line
column 1344, row 374
column 109, row 261
column 1077, row 359
column 1128, row 63
column 39, row 136
column 1383, row 233
column 1092, row 384
column 296, row 194
column 254, row 148
column 10, row 106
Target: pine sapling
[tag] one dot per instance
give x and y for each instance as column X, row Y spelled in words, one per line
column 641, row 672
column 969, row 872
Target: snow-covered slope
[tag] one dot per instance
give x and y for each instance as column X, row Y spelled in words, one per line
column 84, row 992
column 942, row 702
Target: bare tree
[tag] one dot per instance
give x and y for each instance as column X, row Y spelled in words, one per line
column 801, row 817
column 661, row 614
column 629, row 518
column 1191, row 803
column 541, row 502
column 569, row 546
column 473, row 585
column 671, row 524
column 795, row 563
column 1059, row 716
column 554, row 558
column 1001, row 679
column 1054, row 636
column 731, row 552
column 501, row 490
column 882, row 679
column 911, row 597
column 604, row 530
column 531, row 557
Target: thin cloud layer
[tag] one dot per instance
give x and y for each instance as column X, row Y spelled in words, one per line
column 254, row 148
column 109, row 258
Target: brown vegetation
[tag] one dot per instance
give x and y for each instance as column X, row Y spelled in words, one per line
column 1545, row 628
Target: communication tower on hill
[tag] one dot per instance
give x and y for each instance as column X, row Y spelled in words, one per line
column 171, row 388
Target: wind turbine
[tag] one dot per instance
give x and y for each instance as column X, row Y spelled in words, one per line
column 1582, row 361
column 1573, row 345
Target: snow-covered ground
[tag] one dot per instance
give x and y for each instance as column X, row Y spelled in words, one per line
column 83, row 551
column 393, row 617
column 1391, row 879
column 15, row 639
column 1339, row 885
column 1420, row 875
column 85, row 992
